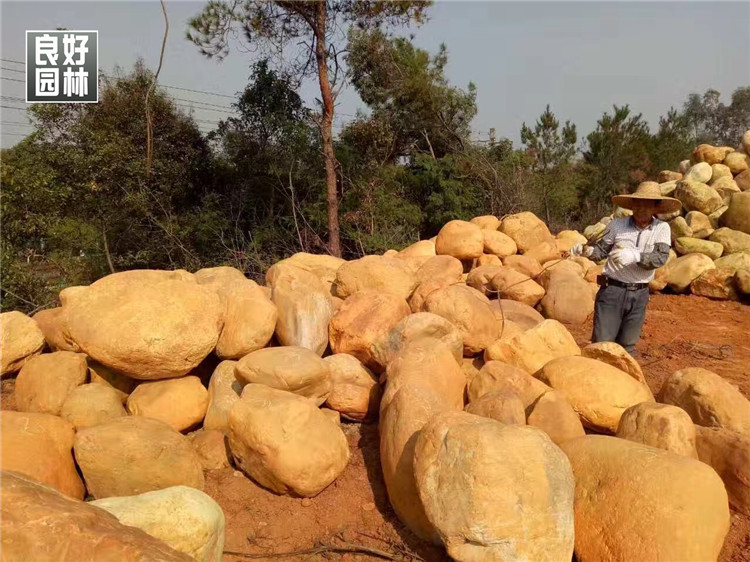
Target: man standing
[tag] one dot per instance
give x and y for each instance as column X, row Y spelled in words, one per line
column 634, row 247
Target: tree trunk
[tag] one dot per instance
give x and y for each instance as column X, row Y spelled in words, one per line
column 326, row 126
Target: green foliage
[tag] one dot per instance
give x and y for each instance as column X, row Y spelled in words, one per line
column 617, row 158
column 551, row 150
column 408, row 93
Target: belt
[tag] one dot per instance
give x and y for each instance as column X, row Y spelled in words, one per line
column 604, row 281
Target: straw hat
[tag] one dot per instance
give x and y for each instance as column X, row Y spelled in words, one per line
column 648, row 191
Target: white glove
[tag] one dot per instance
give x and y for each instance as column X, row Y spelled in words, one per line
column 625, row 256
column 581, row 250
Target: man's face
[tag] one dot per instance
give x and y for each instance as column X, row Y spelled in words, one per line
column 643, row 211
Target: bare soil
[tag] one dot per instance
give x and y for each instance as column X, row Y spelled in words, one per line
column 680, row 331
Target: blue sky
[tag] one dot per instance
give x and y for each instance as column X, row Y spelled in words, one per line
column 579, row 57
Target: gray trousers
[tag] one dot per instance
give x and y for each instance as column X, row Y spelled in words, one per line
column 619, row 315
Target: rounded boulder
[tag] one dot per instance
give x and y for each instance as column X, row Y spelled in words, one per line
column 460, row 239
column 495, row 491
column 146, row 326
column 284, row 442
column 635, row 502
column 355, row 390
column 470, row 312
column 599, row 392
column 134, row 454
column 292, row 369
column 180, row 403
column 20, row 339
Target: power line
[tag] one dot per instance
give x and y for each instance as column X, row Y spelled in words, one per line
column 13, row 79
column 15, row 123
column 199, row 91
column 204, row 103
column 13, row 70
column 11, row 60
column 11, row 107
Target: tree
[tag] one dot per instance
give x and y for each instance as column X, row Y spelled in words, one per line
column 407, row 90
column 317, row 26
column 672, row 143
column 269, row 152
column 551, row 150
column 616, row 159
column 75, row 195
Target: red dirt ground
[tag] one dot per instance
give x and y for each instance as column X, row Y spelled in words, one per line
column 680, row 331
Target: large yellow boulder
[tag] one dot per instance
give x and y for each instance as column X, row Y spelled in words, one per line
column 284, row 442
column 523, row 315
column 146, row 325
column 133, row 454
column 401, row 420
column 427, row 363
column 513, row 285
column 496, row 376
column 614, row 354
column 697, row 196
column 422, row 325
column 323, row 266
column 526, row 230
column 523, row 264
column 249, row 320
column 355, row 390
column 387, row 275
column 698, row 223
column 293, row 369
column 554, row 415
column 469, row 311
column 734, row 262
column 362, row 321
column 709, row 399
column 480, row 277
column 40, row 446
column 460, row 239
column 691, row 245
column 304, row 307
column 733, row 240
column 180, row 403
column 423, row 248
column 716, row 283
column 708, row 154
column 498, row 243
column 545, row 251
column 535, row 347
column 440, row 268
column 503, row 406
column 568, row 298
column 20, row 339
column 45, row 381
column 486, row 222
column 41, row 524
column 659, row 425
column 728, row 453
column 686, row 269
column 635, row 502
column 556, row 267
column 249, row 314
column 737, row 162
column 92, row 404
column 737, row 216
column 223, row 391
column 417, row 301
column 700, row 172
column 495, row 491
column 52, row 324
column 599, row 392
